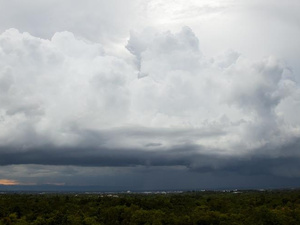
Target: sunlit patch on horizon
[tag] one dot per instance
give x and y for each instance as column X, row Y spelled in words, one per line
column 8, row 182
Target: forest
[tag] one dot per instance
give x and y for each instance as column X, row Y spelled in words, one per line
column 196, row 208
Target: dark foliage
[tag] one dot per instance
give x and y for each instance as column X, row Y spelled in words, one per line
column 197, row 208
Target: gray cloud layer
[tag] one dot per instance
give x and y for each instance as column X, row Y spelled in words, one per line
column 285, row 162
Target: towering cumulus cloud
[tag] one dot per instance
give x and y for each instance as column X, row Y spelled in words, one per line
column 66, row 102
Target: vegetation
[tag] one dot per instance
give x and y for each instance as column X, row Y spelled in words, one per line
column 257, row 208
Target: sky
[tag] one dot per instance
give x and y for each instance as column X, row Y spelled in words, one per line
column 145, row 95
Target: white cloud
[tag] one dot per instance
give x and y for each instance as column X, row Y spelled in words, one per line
column 49, row 85
column 53, row 91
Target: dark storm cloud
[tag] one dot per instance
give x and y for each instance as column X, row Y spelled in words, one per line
column 284, row 162
column 100, row 148
column 93, row 157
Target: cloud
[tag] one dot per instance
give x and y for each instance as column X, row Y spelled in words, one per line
column 93, row 20
column 65, row 101
column 50, row 85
